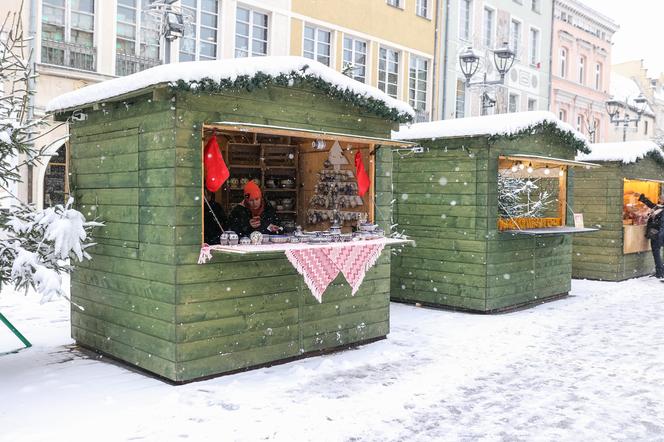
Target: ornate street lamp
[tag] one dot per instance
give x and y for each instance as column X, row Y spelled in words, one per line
column 614, row 106
column 469, row 62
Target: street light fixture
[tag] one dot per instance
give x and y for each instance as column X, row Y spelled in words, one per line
column 469, row 61
column 613, row 107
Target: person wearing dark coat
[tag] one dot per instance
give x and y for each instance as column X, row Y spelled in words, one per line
column 214, row 219
column 253, row 214
column 656, row 241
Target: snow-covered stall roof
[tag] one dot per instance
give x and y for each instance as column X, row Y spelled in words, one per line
column 282, row 70
column 626, row 152
column 625, row 89
column 492, row 125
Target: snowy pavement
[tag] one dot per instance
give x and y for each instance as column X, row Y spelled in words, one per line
column 588, row 367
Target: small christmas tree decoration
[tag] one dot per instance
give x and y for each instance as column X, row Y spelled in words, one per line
column 336, row 156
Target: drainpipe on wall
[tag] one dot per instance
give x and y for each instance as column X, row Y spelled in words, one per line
column 32, row 32
column 550, row 91
column 445, row 58
column 435, row 59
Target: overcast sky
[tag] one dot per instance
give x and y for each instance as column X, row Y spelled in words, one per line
column 641, row 30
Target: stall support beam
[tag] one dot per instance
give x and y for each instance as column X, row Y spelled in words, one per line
column 13, row 329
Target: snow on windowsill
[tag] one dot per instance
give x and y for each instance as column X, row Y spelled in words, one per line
column 228, row 69
column 501, row 124
column 626, row 152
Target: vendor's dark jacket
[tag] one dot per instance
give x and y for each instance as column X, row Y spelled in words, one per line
column 238, row 220
column 212, row 229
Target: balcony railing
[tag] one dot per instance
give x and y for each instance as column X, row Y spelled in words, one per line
column 130, row 64
column 69, row 55
column 422, row 116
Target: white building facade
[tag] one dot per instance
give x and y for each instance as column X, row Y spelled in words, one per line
column 484, row 25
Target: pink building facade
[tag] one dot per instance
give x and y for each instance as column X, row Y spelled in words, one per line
column 581, row 67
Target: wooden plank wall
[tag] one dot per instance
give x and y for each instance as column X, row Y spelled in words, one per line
column 237, row 312
column 600, row 192
column 123, row 164
column 461, row 260
column 525, row 270
column 440, row 202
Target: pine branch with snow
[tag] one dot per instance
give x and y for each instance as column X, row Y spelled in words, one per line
column 36, row 246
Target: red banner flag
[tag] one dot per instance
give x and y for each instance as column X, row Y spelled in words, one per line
column 216, row 172
column 363, row 181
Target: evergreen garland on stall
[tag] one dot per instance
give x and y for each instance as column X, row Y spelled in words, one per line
column 295, row 78
column 545, row 128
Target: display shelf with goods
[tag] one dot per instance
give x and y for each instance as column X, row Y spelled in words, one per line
column 271, row 166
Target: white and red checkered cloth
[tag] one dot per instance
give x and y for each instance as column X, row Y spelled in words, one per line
column 319, row 266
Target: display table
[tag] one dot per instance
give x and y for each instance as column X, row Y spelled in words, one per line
column 319, row 264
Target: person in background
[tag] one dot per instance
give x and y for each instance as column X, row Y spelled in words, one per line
column 214, row 219
column 253, row 214
column 655, row 222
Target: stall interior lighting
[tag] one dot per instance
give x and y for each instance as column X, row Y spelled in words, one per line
column 530, row 168
column 521, row 166
column 546, row 170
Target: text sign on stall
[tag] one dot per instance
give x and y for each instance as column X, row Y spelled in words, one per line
column 578, row 220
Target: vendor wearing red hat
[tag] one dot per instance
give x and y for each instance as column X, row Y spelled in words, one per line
column 252, row 214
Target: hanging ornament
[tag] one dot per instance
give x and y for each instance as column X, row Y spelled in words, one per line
column 216, row 172
column 363, row 181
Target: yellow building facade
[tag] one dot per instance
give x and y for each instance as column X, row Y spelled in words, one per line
column 398, row 39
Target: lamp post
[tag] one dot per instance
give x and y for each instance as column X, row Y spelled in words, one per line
column 172, row 23
column 469, row 61
column 613, row 109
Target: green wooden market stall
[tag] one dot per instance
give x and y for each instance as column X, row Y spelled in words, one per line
column 288, row 123
column 488, row 205
column 607, row 199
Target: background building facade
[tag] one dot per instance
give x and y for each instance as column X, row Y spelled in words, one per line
column 484, row 25
column 390, row 44
column 581, row 71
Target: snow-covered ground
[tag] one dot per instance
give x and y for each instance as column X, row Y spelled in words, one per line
column 588, row 367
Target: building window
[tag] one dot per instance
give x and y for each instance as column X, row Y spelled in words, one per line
column 460, row 99
column 532, row 104
column 594, row 134
column 55, row 179
column 582, row 70
column 579, row 123
column 317, row 44
column 137, row 40
column 355, row 59
column 388, row 71
column 422, row 8
column 395, row 3
column 250, row 33
column 68, row 33
column 513, row 103
column 464, row 19
column 563, row 62
column 200, row 38
column 598, row 76
column 645, row 127
column 534, row 46
column 488, row 27
column 562, row 115
column 417, row 83
column 535, row 5
column 515, row 37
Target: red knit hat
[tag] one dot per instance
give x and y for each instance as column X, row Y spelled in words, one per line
column 252, row 191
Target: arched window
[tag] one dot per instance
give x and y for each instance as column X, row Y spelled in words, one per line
column 56, row 187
